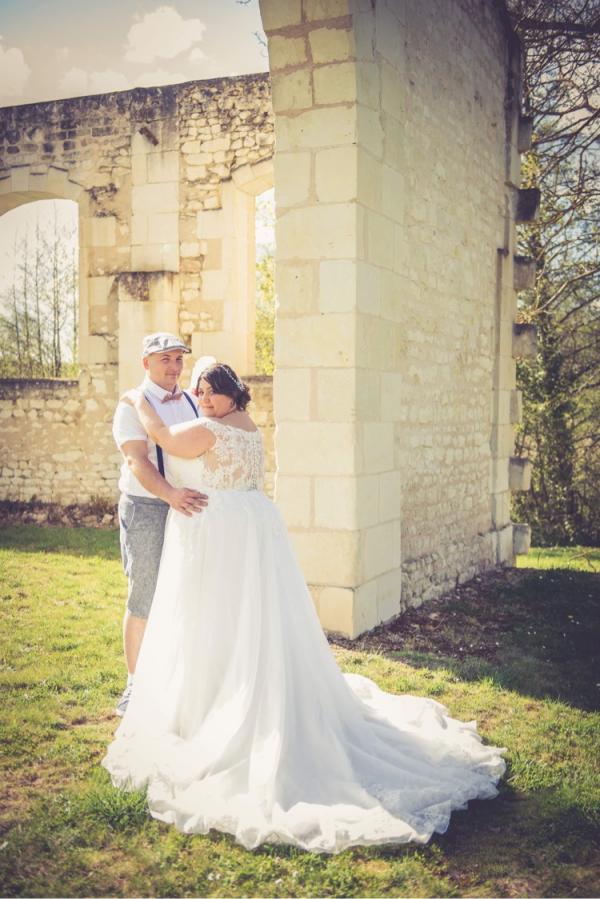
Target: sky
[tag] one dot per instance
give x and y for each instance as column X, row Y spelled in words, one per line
column 53, row 49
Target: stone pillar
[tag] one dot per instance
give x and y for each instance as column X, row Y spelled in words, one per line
column 335, row 392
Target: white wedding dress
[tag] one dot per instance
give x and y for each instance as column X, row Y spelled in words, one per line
column 240, row 719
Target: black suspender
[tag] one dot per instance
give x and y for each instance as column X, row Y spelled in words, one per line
column 159, row 453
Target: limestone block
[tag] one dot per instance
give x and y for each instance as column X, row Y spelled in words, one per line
column 98, row 320
column 163, row 227
column 316, row 448
column 317, row 232
column 19, row 176
column 291, row 90
column 370, row 286
column 516, row 406
column 211, row 223
column 521, row 539
column 379, row 553
column 502, row 442
column 505, row 552
column 275, row 14
column 189, row 250
column 519, row 474
column 214, row 284
column 190, row 146
column 195, row 172
column 294, row 498
column 99, row 290
column 149, row 199
column 286, row 51
column 390, row 495
column 100, row 351
column 103, row 231
column 336, row 394
column 336, row 174
column 500, row 509
column 524, row 272
column 292, row 176
column 389, row 592
column 368, row 84
column 376, row 443
column 216, row 143
column 337, row 285
column 331, row 44
column 392, row 93
column 328, row 557
column 212, row 253
column 524, row 343
column 365, row 607
column 163, row 166
column 370, row 130
column 139, row 229
column 139, row 171
column 392, row 394
column 315, row 10
column 336, row 611
column 292, row 394
column 335, row 83
column 295, row 289
column 317, row 128
column 390, row 36
column 380, row 239
column 321, row 340
column 155, row 257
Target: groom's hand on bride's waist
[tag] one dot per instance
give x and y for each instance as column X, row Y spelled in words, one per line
column 185, row 500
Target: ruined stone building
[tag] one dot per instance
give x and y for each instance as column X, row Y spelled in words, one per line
column 391, row 130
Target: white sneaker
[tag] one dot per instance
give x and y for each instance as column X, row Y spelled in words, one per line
column 124, row 701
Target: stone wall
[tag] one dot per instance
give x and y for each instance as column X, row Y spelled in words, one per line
column 165, row 180
column 57, row 444
column 394, row 388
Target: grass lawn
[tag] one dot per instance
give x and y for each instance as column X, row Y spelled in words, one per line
column 517, row 650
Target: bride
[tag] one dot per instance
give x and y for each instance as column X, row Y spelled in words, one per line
column 240, row 719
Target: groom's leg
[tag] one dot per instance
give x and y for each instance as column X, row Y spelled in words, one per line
column 133, row 634
column 142, row 524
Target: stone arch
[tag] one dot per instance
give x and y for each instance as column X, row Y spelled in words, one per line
column 21, row 184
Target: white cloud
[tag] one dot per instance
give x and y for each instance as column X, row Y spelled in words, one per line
column 162, row 34
column 78, row 82
column 159, row 76
column 196, row 54
column 14, row 71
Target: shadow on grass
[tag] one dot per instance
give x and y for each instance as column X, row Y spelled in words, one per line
column 90, row 542
column 531, row 631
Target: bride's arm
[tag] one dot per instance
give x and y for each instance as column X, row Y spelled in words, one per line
column 188, row 440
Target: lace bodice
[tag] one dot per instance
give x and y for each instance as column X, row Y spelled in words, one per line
column 235, row 462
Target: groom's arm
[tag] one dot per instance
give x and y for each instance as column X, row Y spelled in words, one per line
column 180, row 498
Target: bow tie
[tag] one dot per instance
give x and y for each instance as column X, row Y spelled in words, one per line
column 172, row 396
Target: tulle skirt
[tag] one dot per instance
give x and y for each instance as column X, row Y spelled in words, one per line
column 240, row 719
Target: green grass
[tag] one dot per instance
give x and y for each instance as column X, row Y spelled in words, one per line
column 517, row 650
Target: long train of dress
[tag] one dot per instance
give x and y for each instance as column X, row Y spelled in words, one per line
column 240, row 719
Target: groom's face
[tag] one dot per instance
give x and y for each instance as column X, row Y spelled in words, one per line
column 164, row 368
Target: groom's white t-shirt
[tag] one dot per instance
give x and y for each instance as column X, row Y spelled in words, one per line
column 127, row 426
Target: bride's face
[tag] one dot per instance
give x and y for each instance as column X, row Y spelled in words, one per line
column 215, row 405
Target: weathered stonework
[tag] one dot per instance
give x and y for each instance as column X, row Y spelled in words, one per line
column 58, row 445
column 397, row 193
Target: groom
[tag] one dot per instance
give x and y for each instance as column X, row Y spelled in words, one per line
column 146, row 494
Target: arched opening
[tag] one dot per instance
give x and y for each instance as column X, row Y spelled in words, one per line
column 39, row 290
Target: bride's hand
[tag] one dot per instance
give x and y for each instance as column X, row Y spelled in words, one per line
column 132, row 397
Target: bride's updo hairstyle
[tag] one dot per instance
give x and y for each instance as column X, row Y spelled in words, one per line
column 223, row 379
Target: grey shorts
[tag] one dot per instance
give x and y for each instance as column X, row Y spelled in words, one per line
column 142, row 530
